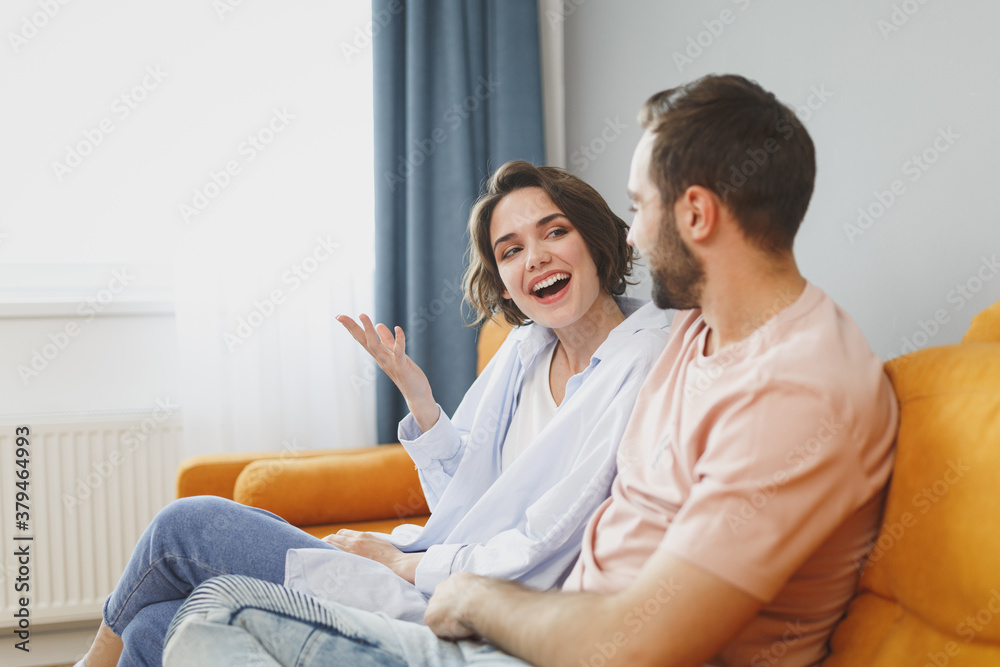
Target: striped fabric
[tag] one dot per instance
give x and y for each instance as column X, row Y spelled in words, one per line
column 228, row 595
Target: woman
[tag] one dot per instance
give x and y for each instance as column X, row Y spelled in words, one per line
column 511, row 478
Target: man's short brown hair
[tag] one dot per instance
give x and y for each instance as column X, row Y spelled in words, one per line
column 603, row 232
column 729, row 135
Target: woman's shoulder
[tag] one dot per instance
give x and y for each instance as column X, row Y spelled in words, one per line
column 640, row 339
column 644, row 320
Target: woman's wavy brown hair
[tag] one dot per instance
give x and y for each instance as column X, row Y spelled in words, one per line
column 602, row 231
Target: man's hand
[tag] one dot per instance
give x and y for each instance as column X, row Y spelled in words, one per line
column 674, row 614
column 376, row 549
column 444, row 611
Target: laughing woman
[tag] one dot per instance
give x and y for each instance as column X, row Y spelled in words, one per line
column 511, row 477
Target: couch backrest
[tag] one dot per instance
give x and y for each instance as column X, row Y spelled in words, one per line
column 930, row 592
column 491, row 336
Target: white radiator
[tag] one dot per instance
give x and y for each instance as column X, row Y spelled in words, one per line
column 94, row 483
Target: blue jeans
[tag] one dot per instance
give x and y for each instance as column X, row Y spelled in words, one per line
column 190, row 541
column 242, row 621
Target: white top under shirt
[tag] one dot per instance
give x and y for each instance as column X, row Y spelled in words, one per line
column 535, row 410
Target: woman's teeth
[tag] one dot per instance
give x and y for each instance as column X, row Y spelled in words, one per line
column 551, row 280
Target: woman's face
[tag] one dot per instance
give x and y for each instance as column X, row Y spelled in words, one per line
column 544, row 263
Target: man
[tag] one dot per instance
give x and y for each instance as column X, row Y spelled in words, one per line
column 751, row 475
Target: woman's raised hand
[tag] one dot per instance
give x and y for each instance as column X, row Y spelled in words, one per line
column 389, row 352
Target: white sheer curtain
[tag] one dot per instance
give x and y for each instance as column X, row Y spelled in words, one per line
column 215, row 141
column 269, row 374
column 263, row 271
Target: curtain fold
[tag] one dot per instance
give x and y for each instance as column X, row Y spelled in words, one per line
column 457, row 92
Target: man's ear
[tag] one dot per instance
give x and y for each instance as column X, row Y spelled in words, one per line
column 700, row 208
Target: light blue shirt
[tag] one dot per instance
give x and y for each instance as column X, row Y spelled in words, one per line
column 526, row 524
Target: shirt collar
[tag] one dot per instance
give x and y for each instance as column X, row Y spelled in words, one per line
column 639, row 314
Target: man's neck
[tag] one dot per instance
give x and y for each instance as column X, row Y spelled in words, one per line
column 738, row 301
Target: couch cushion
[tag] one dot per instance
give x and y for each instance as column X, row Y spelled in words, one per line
column 362, row 485
column 930, row 593
column 985, row 327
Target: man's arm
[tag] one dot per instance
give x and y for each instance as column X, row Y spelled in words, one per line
column 674, row 614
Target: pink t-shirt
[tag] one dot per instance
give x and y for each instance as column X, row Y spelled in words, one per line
column 764, row 464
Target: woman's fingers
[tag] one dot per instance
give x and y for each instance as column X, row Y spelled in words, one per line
column 400, row 348
column 385, row 336
column 378, row 339
column 357, row 333
column 370, row 334
column 366, row 322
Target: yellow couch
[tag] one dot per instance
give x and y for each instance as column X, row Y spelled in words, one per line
column 930, row 595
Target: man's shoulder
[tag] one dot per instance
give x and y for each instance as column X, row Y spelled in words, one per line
column 821, row 350
column 814, row 330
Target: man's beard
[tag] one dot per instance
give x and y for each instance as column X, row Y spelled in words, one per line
column 678, row 276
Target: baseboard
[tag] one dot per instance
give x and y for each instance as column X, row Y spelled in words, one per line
column 56, row 644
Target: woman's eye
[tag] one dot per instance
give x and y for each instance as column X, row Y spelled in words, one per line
column 509, row 252
column 558, row 231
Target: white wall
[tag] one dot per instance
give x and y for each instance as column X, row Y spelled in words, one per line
column 888, row 96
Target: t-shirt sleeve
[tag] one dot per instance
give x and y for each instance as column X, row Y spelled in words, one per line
column 779, row 474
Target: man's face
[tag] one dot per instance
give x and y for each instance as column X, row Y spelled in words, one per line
column 678, row 276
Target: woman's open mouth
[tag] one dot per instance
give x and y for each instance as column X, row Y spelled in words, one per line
column 551, row 288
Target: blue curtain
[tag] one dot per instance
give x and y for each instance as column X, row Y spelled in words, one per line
column 457, row 94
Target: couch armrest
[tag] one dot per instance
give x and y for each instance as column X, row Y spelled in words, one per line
column 359, row 485
column 215, row 474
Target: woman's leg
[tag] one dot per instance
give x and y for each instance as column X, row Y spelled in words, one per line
column 190, row 541
column 105, row 650
column 144, row 636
